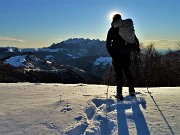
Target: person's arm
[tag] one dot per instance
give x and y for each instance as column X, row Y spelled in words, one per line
column 109, row 41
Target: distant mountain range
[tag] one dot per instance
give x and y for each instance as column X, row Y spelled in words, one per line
column 75, row 60
column 84, row 57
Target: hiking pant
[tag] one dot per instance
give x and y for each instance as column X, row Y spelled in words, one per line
column 122, row 65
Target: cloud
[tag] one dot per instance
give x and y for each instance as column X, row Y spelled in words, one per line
column 160, row 40
column 162, row 43
column 7, row 39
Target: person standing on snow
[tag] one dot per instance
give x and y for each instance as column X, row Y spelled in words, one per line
column 120, row 51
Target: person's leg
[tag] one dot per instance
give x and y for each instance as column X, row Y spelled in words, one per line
column 128, row 74
column 130, row 80
column 119, row 75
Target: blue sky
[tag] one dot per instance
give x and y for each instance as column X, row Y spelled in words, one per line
column 39, row 23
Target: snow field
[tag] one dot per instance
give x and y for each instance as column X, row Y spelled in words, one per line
column 76, row 109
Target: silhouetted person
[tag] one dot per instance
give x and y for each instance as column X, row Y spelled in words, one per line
column 120, row 50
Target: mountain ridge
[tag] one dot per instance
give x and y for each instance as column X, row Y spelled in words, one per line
column 57, row 58
column 90, row 61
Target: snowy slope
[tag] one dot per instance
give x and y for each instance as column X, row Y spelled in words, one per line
column 103, row 60
column 58, row 109
column 30, row 61
column 16, row 61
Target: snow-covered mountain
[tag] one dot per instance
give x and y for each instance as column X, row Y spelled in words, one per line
column 65, row 50
column 80, row 54
column 66, row 73
column 78, row 47
column 29, row 61
column 89, row 60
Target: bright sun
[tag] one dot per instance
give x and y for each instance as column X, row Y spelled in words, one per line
column 111, row 14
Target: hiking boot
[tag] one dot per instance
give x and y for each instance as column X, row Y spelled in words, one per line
column 119, row 96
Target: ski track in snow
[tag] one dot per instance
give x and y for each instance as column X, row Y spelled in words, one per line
column 80, row 109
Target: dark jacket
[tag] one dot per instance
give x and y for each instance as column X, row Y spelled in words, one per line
column 117, row 46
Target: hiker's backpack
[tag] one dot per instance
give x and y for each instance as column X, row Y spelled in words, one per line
column 126, row 30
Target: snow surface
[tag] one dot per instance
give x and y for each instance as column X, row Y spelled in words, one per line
column 102, row 60
column 16, row 61
column 75, row 109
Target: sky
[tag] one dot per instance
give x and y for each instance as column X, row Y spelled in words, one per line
column 40, row 23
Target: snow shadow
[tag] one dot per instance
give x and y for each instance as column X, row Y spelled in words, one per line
column 136, row 116
column 110, row 116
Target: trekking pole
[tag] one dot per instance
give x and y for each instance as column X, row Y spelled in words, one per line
column 109, row 81
column 147, row 80
column 161, row 112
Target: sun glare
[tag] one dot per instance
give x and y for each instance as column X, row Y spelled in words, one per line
column 111, row 14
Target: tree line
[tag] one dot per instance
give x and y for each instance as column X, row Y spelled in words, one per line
column 152, row 69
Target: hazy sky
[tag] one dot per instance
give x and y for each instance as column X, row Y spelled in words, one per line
column 39, row 23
